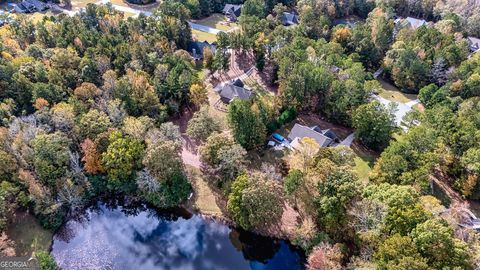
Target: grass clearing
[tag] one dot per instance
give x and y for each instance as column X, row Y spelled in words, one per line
column 217, row 21
column 205, row 199
column 204, row 36
column 129, row 14
column 363, row 168
column 79, row 4
column 364, row 162
column 38, row 16
column 392, row 93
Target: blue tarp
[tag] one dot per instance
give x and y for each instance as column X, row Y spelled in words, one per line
column 278, row 137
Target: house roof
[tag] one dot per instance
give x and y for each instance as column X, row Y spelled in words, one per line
column 28, row 5
column 19, row 8
column 196, row 48
column 231, row 91
column 238, row 83
column 474, row 43
column 232, row 9
column 300, row 131
column 327, row 132
column 413, row 22
column 289, row 18
column 37, row 4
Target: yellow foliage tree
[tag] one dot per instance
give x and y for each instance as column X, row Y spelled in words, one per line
column 198, row 94
column 304, row 154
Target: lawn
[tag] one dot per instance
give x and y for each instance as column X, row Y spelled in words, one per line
column 392, row 93
column 205, row 199
column 204, row 36
column 128, row 14
column 253, row 83
column 364, row 161
column 79, row 4
column 217, row 21
column 38, row 16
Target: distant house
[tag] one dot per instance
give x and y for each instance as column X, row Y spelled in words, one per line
column 19, row 8
column 473, row 43
column 234, row 90
column 289, row 18
column 413, row 23
column 195, row 48
column 38, row 5
column 232, row 12
column 28, row 6
column 324, row 138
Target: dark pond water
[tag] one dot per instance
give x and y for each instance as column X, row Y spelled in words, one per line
column 119, row 237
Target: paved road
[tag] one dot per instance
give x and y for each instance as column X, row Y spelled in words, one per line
column 204, row 28
column 131, row 10
column 402, row 108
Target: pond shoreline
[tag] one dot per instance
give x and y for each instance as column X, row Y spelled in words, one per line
column 186, row 210
column 113, row 228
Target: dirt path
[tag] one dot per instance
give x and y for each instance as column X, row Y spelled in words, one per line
column 190, row 158
column 189, row 148
column 454, row 196
column 458, row 202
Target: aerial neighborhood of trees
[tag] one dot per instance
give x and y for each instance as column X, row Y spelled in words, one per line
column 285, row 118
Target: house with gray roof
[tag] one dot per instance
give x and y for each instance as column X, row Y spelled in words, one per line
column 411, row 22
column 473, row 43
column 38, row 5
column 196, row 48
column 234, row 90
column 299, row 132
column 232, row 12
column 289, row 19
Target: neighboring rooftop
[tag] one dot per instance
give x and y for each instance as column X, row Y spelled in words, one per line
column 39, row 6
column 474, row 43
column 27, row 6
column 299, row 131
column 234, row 90
column 413, row 23
column 289, row 18
column 195, row 48
column 230, row 9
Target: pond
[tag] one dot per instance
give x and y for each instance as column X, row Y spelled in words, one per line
column 124, row 237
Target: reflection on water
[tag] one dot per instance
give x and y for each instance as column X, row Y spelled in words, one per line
column 140, row 238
